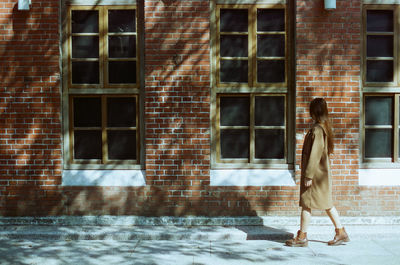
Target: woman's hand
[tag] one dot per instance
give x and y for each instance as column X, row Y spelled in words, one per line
column 308, row 182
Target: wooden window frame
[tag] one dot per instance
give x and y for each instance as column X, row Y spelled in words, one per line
column 381, row 86
column 395, row 132
column 228, row 89
column 104, row 89
column 104, row 129
column 377, row 89
column 252, row 33
column 103, row 49
column 252, row 129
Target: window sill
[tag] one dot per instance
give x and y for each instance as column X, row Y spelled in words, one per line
column 379, row 177
column 104, row 178
column 252, row 177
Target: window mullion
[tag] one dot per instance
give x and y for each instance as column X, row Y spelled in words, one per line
column 395, row 45
column 252, row 128
column 103, row 25
column 396, row 129
column 104, row 129
column 252, row 45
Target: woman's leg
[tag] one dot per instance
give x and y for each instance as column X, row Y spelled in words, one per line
column 334, row 216
column 305, row 219
column 340, row 233
column 301, row 239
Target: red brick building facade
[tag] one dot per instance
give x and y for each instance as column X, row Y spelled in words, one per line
column 176, row 108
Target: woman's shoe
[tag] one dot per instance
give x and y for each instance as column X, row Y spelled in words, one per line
column 340, row 237
column 299, row 241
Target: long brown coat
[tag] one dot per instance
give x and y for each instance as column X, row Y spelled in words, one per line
column 315, row 165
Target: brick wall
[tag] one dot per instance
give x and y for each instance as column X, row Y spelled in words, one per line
column 30, row 125
column 176, row 116
column 328, row 66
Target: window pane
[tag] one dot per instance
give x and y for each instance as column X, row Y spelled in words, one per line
column 85, row 21
column 235, row 111
column 235, row 143
column 271, row 71
column 233, row 20
column 234, row 46
column 121, row 21
column 378, row 110
column 378, row 143
column 270, row 144
column 270, row 20
column 85, row 47
column 379, row 71
column 270, row 45
column 122, row 46
column 234, row 71
column 87, row 112
column 122, row 72
column 121, row 145
column 380, row 20
column 85, row 72
column 270, row 111
column 380, row 46
column 121, row 112
column 87, row 145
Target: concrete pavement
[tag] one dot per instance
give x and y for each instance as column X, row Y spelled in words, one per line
column 58, row 243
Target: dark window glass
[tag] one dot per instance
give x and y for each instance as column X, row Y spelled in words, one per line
column 85, row 72
column 271, row 71
column 122, row 72
column 87, row 112
column 270, row 45
column 270, row 20
column 378, row 143
column 121, row 112
column 87, row 145
column 270, row 144
column 235, row 143
column 270, row 111
column 234, row 46
column 234, row 71
column 86, row 21
column 122, row 46
column 380, row 46
column 121, row 145
column 121, row 21
column 233, row 20
column 378, row 110
column 235, row 111
column 85, row 47
column 380, row 20
column 379, row 71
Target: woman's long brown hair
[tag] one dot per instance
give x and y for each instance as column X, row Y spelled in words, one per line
column 319, row 112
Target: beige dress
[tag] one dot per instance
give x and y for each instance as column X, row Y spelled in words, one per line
column 315, row 165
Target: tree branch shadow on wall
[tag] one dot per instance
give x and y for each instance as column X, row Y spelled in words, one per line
column 34, row 187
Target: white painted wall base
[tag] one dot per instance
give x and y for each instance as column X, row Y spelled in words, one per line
column 251, row 177
column 109, row 178
column 379, row 177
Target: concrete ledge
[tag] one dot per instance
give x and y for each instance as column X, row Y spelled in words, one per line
column 275, row 221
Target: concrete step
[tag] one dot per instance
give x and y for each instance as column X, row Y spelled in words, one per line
column 204, row 233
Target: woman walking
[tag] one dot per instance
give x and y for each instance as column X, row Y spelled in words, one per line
column 316, row 180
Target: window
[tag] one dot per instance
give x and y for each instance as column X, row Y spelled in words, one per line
column 251, row 86
column 251, row 46
column 101, row 85
column 252, row 128
column 381, row 85
column 381, row 127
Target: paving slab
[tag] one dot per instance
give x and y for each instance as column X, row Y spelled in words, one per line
column 187, row 252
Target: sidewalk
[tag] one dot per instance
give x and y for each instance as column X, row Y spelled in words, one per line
column 59, row 243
